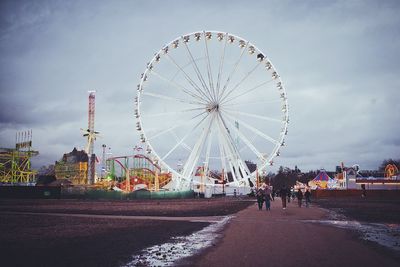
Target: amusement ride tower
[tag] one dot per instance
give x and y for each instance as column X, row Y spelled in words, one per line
column 91, row 137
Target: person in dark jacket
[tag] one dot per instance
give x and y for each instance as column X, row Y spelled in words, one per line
column 299, row 197
column 268, row 201
column 307, row 195
column 260, row 198
column 283, row 193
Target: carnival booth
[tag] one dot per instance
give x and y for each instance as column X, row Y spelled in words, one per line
column 322, row 181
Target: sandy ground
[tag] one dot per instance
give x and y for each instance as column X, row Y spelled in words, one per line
column 283, row 238
column 28, row 240
column 96, row 233
column 166, row 207
column 369, row 209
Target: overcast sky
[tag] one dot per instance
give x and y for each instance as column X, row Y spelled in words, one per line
column 339, row 60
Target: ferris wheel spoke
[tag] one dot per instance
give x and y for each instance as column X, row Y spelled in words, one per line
column 183, row 123
column 182, row 139
column 209, row 71
column 256, row 131
column 195, row 153
column 184, row 145
column 252, row 115
column 241, row 81
column 233, row 71
column 180, row 112
column 235, row 161
column 221, row 64
column 229, row 141
column 187, row 77
column 221, row 151
column 253, row 102
column 179, row 87
column 198, row 73
column 172, row 98
column 225, row 152
column 246, row 92
column 207, row 161
column 222, row 154
column 247, row 142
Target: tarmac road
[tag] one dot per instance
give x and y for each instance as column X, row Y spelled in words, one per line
column 285, row 238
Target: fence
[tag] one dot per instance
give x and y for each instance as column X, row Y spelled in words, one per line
column 30, row 192
column 355, row 193
column 138, row 194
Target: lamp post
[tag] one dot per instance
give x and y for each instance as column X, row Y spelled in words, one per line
column 103, row 162
column 223, row 181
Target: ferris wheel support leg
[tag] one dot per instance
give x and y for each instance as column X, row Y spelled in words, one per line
column 195, row 154
column 237, row 165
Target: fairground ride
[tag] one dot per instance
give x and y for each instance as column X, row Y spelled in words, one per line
column 134, row 172
column 212, row 100
column 91, row 135
column 15, row 164
column 391, row 171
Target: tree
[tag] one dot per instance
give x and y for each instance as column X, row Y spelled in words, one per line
column 280, row 169
column 285, row 176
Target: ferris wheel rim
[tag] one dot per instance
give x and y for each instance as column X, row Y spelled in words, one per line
column 275, row 151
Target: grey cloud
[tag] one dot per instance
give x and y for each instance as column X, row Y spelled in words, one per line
column 338, row 59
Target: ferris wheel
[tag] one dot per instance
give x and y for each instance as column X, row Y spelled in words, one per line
column 215, row 103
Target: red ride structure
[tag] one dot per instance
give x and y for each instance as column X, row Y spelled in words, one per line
column 135, row 172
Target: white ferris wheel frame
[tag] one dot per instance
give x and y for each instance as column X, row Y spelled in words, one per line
column 187, row 174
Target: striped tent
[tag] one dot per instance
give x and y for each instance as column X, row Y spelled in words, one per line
column 321, row 181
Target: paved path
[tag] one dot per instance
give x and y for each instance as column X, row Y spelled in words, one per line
column 283, row 238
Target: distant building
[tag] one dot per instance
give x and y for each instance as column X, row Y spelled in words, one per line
column 353, row 178
column 73, row 166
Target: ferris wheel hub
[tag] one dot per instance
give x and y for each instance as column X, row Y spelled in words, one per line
column 212, row 107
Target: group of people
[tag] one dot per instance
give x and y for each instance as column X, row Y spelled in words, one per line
column 264, row 195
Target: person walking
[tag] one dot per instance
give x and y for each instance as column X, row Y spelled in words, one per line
column 268, row 202
column 307, row 195
column 364, row 192
column 299, row 197
column 283, row 193
column 267, row 197
column 260, row 198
